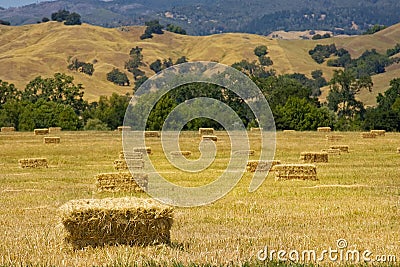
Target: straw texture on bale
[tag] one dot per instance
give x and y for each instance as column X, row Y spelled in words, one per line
column 52, row 140
column 255, row 129
column 124, row 128
column 121, row 181
column 206, row 131
column 398, row 150
column 184, row 153
column 41, row 131
column 33, row 163
column 125, row 164
column 250, row 152
column 334, row 137
column 210, row 138
column 295, row 171
column 289, row 131
column 368, row 135
column 7, row 129
column 332, row 151
column 143, row 150
column 54, row 129
column 310, row 157
column 379, row 132
column 116, row 221
column 342, row 148
column 151, row 134
column 324, row 129
column 261, row 165
column 130, row 155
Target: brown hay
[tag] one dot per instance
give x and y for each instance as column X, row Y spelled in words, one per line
column 185, row 153
column 54, row 129
column 342, row 148
column 210, row 138
column 368, row 135
column 310, row 157
column 295, row 171
column 122, row 164
column 121, row 181
column 332, row 151
column 334, row 137
column 206, row 131
column 379, row 132
column 324, row 129
column 143, row 150
column 250, row 152
column 130, row 155
column 124, row 128
column 7, row 129
column 33, row 163
column 289, row 131
column 41, row 131
column 116, row 221
column 52, row 140
column 151, row 134
column 261, row 165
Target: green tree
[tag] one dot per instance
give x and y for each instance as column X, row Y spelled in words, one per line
column 175, row 29
column 374, row 29
column 95, row 125
column 265, row 61
column 181, row 60
column 139, row 82
column 4, row 22
column 153, row 26
column 156, row 66
column 60, row 15
column 73, row 19
column 118, row 77
column 260, row 50
column 111, row 110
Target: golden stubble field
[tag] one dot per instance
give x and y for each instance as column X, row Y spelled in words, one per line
column 357, row 198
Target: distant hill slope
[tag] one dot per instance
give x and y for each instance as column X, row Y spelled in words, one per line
column 43, row 49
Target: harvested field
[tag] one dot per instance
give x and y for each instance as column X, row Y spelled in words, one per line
column 335, row 137
column 143, row 150
column 210, row 138
column 342, row 148
column 332, row 151
column 121, row 181
column 311, row 157
column 261, row 165
column 379, row 132
column 33, row 163
column 250, row 152
column 369, row 135
column 124, row 128
column 122, row 164
column 185, row 153
column 51, row 140
column 130, row 155
column 295, row 172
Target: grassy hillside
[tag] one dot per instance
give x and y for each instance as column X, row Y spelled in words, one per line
column 43, row 49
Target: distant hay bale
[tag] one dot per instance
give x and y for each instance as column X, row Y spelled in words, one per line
column 125, row 164
column 184, row 153
column 379, row 132
column 121, row 181
column 332, row 151
column 250, row 152
column 130, row 155
column 54, row 130
column 289, row 131
column 116, row 221
column 143, row 150
column 255, row 129
column 342, row 148
column 151, row 134
column 261, row 165
column 124, row 128
column 368, row 135
column 334, row 137
column 206, row 131
column 33, row 163
column 310, row 157
column 324, row 129
column 295, row 171
column 51, row 140
column 7, row 129
column 41, row 131
column 210, row 138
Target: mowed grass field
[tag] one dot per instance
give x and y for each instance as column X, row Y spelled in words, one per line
column 357, row 197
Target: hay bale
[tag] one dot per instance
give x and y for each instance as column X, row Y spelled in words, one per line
column 368, row 135
column 151, row 134
column 130, row 155
column 7, row 129
column 379, row 132
column 142, row 150
column 314, row 157
column 289, row 131
column 51, row 140
column 122, row 164
column 33, row 163
column 184, row 153
column 255, row 129
column 116, row 221
column 124, row 128
column 206, row 131
column 342, row 148
column 250, row 152
column 398, row 150
column 295, row 171
column 210, row 138
column 121, row 181
column 261, row 165
column 332, row 151
column 54, row 130
column 335, row 137
column 323, row 129
column 41, row 131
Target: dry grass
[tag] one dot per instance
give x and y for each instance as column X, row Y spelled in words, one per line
column 282, row 215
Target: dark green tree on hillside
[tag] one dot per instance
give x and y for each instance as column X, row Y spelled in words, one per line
column 60, row 16
column 118, row 77
column 261, row 50
column 153, row 26
column 73, row 19
column 175, row 29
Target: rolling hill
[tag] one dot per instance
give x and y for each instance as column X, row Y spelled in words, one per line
column 43, row 49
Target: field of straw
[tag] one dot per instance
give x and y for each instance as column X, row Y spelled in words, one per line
column 356, row 198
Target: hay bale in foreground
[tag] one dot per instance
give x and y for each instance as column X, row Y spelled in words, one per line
column 51, row 140
column 379, row 132
column 295, row 171
column 151, row 134
column 7, row 129
column 121, row 181
column 289, row 131
column 323, row 129
column 41, row 131
column 33, row 163
column 311, row 157
column 130, row 155
column 124, row 128
column 332, row 151
column 206, row 131
column 54, row 129
column 342, row 148
column 334, row 137
column 250, row 152
column 255, row 129
column 368, row 135
column 143, row 150
column 116, row 221
column 125, row 164
column 261, row 165
column 210, row 138
column 184, row 153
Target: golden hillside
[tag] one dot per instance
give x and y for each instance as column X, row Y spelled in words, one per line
column 43, row 49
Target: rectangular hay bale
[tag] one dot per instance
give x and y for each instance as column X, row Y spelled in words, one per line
column 54, row 129
column 121, row 181
column 255, row 129
column 116, row 221
column 206, row 131
column 379, row 132
column 289, row 131
column 368, row 135
column 7, row 129
column 51, row 140
column 310, row 157
column 143, row 150
column 33, row 163
column 332, row 151
column 184, row 153
column 334, row 137
column 123, row 164
column 295, row 171
column 323, row 129
column 124, row 128
column 151, row 134
column 342, row 148
column 210, row 138
column 250, row 152
column 43, row 131
column 261, row 165
column 130, row 155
